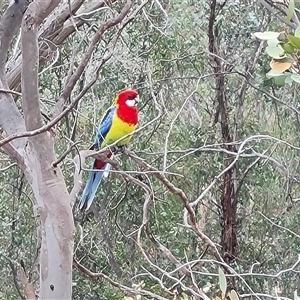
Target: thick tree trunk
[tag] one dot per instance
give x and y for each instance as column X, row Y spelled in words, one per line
column 46, row 181
column 56, row 218
column 35, row 155
column 228, row 190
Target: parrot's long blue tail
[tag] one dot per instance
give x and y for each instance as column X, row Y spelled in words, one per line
column 91, row 186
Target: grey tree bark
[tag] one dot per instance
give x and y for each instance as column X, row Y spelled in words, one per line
column 35, row 154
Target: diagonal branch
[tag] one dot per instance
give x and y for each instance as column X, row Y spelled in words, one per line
column 110, row 23
column 77, row 74
column 182, row 196
column 58, row 28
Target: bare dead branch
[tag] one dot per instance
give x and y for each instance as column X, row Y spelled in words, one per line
column 10, row 92
column 64, row 155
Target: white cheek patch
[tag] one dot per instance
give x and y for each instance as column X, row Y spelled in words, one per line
column 130, row 102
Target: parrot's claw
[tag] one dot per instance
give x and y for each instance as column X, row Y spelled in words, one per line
column 117, row 149
column 122, row 149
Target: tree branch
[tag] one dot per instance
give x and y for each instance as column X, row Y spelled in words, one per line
column 35, row 14
column 182, row 196
column 110, row 23
column 273, row 11
column 27, row 286
column 56, row 32
column 9, row 25
column 11, row 120
column 97, row 276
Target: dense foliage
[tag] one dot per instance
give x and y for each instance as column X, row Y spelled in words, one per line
column 165, row 54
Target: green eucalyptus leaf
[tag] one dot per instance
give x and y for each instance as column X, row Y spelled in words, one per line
column 233, row 295
column 287, row 47
column 288, row 79
column 222, row 281
column 280, row 80
column 297, row 31
column 272, row 42
column 295, row 41
column 272, row 74
column 267, row 35
column 275, row 52
column 290, row 10
column 295, row 77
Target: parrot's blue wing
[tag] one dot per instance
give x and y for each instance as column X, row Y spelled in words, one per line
column 104, row 127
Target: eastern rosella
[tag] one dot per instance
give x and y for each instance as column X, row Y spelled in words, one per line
column 119, row 121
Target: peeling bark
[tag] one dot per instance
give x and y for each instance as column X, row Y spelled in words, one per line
column 228, row 190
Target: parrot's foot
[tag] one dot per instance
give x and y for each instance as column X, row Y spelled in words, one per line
column 122, row 149
column 117, row 149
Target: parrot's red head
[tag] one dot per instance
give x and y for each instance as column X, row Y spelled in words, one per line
column 127, row 97
column 125, row 101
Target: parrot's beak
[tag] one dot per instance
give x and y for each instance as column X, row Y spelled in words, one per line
column 137, row 99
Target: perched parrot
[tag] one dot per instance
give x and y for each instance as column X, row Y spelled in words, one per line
column 118, row 121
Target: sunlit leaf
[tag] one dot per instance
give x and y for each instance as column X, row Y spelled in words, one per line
column 280, row 65
column 297, row 31
column 184, row 296
column 290, row 10
column 288, row 79
column 267, row 35
column 295, row 77
column 233, row 295
column 273, row 73
column 222, row 281
column 275, row 52
column 295, row 41
column 280, row 80
column 287, row 47
column 272, row 42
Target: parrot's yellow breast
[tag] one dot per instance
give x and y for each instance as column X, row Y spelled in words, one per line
column 118, row 130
